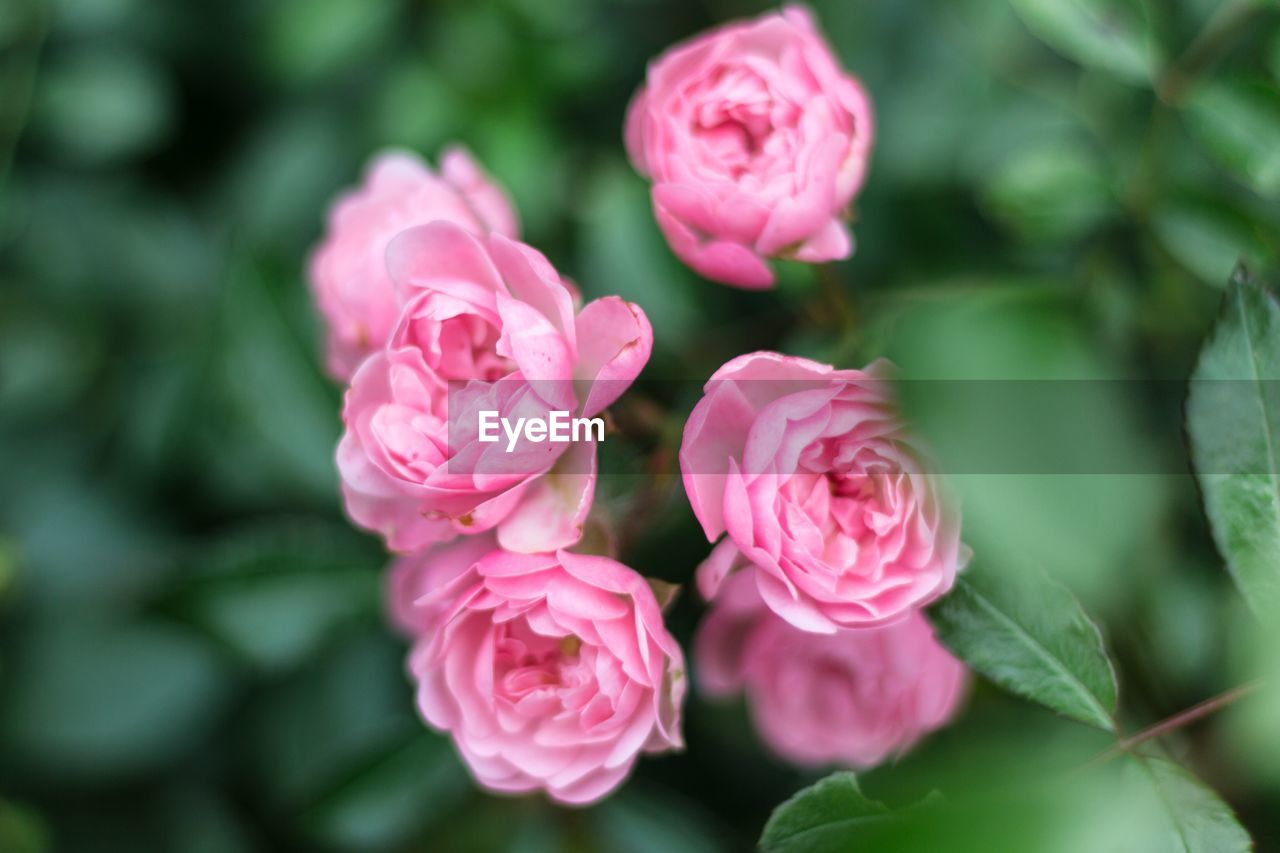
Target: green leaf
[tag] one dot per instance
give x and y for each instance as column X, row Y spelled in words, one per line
column 640, row 820
column 1273, row 57
column 1209, row 240
column 1112, row 35
column 623, row 252
column 418, row 783
column 1029, row 635
column 1051, row 192
column 98, row 701
column 1018, row 510
column 102, row 105
column 328, row 723
column 308, row 39
column 1233, row 418
column 275, row 593
column 1238, row 123
column 824, row 816
column 286, row 414
column 1198, row 820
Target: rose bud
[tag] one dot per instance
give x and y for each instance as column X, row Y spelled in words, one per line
column 826, row 504
column 551, row 672
column 348, row 273
column 853, row 698
column 756, row 141
column 488, row 327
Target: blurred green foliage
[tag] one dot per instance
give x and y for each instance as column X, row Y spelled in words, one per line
column 192, row 654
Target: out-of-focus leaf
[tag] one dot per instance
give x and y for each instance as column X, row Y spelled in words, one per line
column 200, row 821
column 98, row 701
column 268, row 377
column 1197, row 820
column 1049, row 192
column 624, row 253
column 322, row 727
column 527, row 156
column 1233, row 417
column 1209, row 240
column 473, row 47
column 21, row 830
column 79, row 544
column 1249, row 726
column 824, row 817
column 1030, row 495
column 275, row 594
column 286, row 175
column 416, row 785
column 98, row 106
column 1183, row 617
column 43, row 365
column 1029, row 635
column 639, row 821
column 8, row 568
column 311, row 38
column 507, row 825
column 92, row 17
column 1113, row 35
column 416, row 108
column 1238, row 123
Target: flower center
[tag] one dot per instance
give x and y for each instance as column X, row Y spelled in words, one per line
column 735, row 115
column 527, row 663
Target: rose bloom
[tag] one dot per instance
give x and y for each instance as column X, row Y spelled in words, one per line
column 413, row 576
column 348, row 272
column 826, row 505
column 487, row 325
column 551, row 672
column 853, row 698
column 756, row 142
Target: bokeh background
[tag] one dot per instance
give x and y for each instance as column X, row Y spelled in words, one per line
column 192, row 650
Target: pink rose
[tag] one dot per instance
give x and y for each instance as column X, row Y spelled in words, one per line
column 551, row 672
column 756, row 141
column 487, row 325
column 852, row 698
column 810, row 472
column 413, row 576
column 348, row 270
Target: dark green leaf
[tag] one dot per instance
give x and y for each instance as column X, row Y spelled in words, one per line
column 1238, row 123
column 1233, row 417
column 340, row 714
column 418, row 783
column 97, row 701
column 1029, row 635
column 275, row 593
column 639, row 821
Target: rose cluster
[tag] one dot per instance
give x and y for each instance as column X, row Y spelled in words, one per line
column 550, row 666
